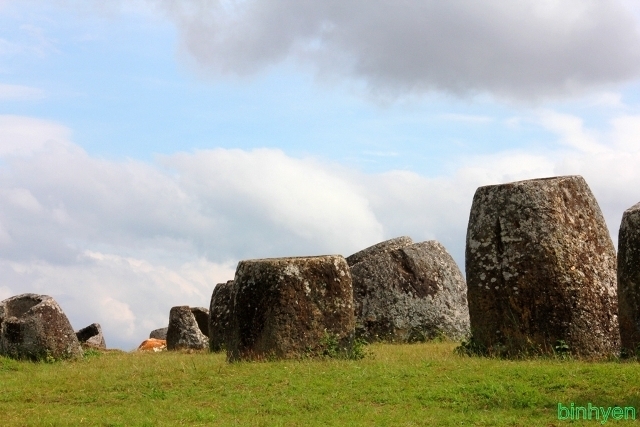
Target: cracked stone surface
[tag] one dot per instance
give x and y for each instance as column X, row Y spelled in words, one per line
column 183, row 331
column 219, row 311
column 629, row 278
column 541, row 268
column 35, row 327
column 284, row 307
column 406, row 292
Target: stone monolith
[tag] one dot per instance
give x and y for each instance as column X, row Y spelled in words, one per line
column 541, row 270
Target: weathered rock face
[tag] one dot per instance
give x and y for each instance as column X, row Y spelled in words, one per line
column 91, row 336
column 35, row 327
column 629, row 279
column 201, row 315
column 379, row 248
column 286, row 307
column 183, row 331
column 159, row 334
column 219, row 311
column 409, row 292
column 541, row 268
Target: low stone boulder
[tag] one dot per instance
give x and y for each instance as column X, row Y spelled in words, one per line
column 379, row 248
column 406, row 292
column 219, row 311
column 91, row 336
column 35, row 327
column 541, row 270
column 153, row 344
column 629, row 280
column 183, row 331
column 159, row 334
column 288, row 307
column 201, row 315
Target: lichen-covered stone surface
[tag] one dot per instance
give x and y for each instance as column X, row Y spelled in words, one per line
column 219, row 311
column 35, row 327
column 379, row 248
column 159, row 334
column 285, row 307
column 201, row 315
column 183, row 332
column 629, row 279
column 541, row 270
column 91, row 336
column 406, row 292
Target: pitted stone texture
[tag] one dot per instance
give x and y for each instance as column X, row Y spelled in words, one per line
column 202, row 319
column 35, row 327
column 183, row 331
column 412, row 293
column 219, row 311
column 541, row 268
column 159, row 334
column 284, row 307
column 379, row 248
column 91, row 336
column 629, row 279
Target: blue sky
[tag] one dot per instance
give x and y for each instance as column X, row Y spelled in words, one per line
column 147, row 146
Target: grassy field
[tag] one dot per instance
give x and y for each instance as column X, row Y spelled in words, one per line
column 396, row 385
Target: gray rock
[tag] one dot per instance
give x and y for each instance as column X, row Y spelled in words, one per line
column 541, row 270
column 91, row 336
column 629, row 279
column 159, row 334
column 219, row 311
column 379, row 248
column 183, row 331
column 35, row 327
column 202, row 319
column 285, row 307
column 409, row 292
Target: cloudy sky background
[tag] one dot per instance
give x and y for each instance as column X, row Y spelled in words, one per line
column 147, row 146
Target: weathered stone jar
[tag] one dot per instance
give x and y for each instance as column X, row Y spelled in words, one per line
column 219, row 310
column 35, row 327
column 183, row 332
column 541, row 270
column 284, row 307
column 629, row 279
column 406, row 292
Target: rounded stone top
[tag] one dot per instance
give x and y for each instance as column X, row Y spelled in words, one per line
column 378, row 248
column 633, row 209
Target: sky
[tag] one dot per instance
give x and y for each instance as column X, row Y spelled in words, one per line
column 147, row 146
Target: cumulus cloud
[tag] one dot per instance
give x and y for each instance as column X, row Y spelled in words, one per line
column 522, row 50
column 124, row 241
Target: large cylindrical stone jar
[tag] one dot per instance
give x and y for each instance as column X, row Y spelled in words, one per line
column 629, row 280
column 35, row 327
column 541, row 270
column 285, row 307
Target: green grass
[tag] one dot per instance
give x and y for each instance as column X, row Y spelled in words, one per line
column 398, row 385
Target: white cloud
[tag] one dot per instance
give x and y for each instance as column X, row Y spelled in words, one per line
column 23, row 135
column 19, row 92
column 524, row 50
